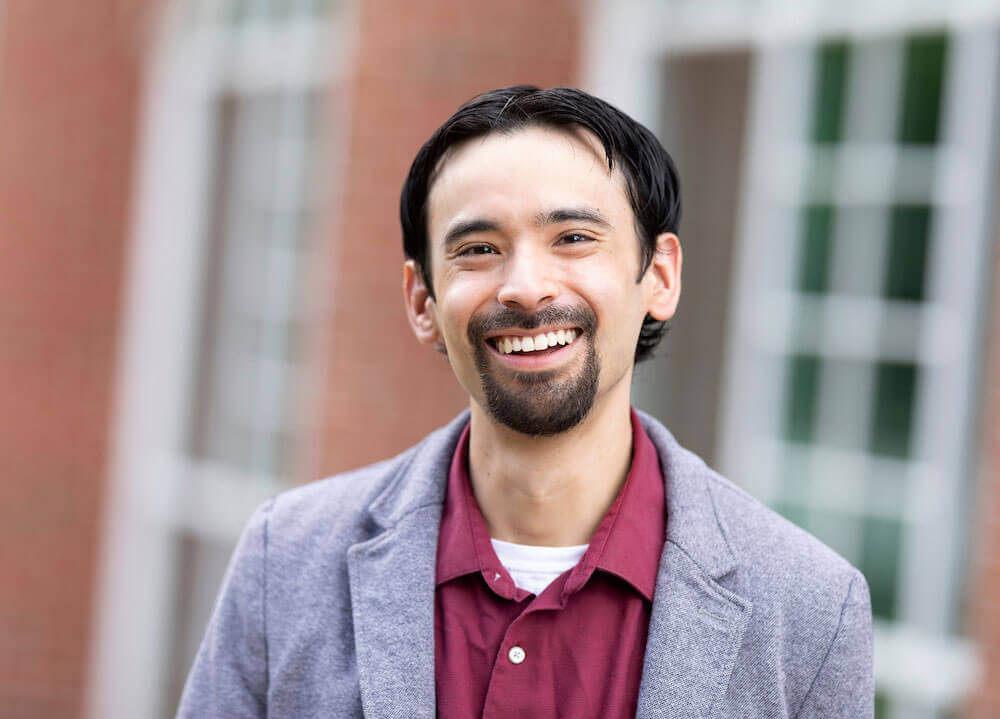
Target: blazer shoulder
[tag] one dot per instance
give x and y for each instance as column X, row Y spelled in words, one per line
column 776, row 557
column 334, row 507
column 811, row 609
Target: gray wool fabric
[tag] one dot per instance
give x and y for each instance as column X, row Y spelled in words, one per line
column 327, row 608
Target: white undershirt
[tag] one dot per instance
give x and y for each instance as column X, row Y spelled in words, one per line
column 534, row 568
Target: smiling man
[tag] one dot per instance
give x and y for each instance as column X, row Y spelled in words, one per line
column 552, row 552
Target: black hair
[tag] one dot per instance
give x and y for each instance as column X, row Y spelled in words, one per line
column 651, row 179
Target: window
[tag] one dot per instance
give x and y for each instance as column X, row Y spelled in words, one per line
column 853, row 347
column 859, row 260
column 211, row 418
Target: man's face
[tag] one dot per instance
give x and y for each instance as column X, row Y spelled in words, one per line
column 530, row 235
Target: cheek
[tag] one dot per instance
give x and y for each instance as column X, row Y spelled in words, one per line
column 620, row 311
column 612, row 295
column 458, row 301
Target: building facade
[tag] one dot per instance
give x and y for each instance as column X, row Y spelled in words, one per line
column 202, row 282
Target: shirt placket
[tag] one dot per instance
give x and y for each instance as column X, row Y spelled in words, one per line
column 521, row 681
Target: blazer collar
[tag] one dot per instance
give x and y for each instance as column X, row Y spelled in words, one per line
column 692, row 522
column 422, row 480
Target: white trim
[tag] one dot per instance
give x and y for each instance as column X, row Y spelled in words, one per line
column 824, row 329
column 958, row 260
column 686, row 26
column 936, row 673
column 619, row 57
column 781, row 76
column 158, row 331
column 154, row 489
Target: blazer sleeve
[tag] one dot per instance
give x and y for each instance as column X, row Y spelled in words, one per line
column 229, row 676
column 844, row 687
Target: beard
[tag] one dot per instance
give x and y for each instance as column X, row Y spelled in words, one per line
column 537, row 403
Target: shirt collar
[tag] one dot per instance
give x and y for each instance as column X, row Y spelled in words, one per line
column 627, row 543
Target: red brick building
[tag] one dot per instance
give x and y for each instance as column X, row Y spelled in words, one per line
column 200, row 285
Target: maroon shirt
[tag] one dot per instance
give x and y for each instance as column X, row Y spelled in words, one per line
column 581, row 642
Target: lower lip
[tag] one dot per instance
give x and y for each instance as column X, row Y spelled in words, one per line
column 516, row 360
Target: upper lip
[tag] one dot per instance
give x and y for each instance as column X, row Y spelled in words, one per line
column 520, row 332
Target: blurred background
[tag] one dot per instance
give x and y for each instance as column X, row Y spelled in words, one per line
column 200, row 295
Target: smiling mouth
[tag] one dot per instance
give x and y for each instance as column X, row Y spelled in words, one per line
column 542, row 343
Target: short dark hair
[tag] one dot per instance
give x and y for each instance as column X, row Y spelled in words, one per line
column 651, row 179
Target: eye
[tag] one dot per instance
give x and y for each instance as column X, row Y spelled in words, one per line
column 575, row 238
column 477, row 249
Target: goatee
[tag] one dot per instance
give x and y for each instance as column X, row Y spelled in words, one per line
column 537, row 403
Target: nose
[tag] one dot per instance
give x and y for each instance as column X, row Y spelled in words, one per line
column 528, row 283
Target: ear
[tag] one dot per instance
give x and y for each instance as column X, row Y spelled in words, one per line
column 420, row 306
column 664, row 277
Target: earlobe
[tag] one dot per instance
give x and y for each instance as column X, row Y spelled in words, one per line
column 420, row 306
column 664, row 274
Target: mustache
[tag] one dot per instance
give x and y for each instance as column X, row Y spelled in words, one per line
column 510, row 318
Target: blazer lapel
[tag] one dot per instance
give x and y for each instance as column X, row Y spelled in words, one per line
column 392, row 595
column 694, row 636
column 392, row 585
column 697, row 624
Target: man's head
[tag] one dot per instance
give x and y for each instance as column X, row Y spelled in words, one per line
column 532, row 211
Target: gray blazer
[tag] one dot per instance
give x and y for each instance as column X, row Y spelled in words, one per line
column 327, row 608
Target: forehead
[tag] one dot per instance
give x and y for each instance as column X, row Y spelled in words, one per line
column 514, row 176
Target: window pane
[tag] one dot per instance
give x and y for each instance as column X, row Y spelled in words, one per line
column 895, row 386
column 800, row 397
column 816, row 243
column 831, row 75
column 882, row 706
column 923, row 82
column 880, row 557
column 908, row 243
column 253, row 285
column 794, row 514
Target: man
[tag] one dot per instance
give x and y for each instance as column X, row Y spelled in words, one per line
column 551, row 552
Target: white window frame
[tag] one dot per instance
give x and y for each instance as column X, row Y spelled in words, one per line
column 919, row 665
column 156, row 490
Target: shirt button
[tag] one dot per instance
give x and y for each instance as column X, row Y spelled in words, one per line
column 516, row 655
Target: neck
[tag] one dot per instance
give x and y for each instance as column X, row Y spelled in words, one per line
column 550, row 491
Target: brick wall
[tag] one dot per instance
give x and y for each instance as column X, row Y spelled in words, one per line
column 984, row 603
column 68, row 82
column 416, row 62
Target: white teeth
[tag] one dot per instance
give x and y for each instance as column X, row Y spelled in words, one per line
column 545, row 340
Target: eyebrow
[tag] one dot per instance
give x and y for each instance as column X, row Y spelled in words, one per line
column 468, row 227
column 553, row 217
column 572, row 214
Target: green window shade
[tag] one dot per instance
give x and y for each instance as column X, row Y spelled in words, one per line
column 879, row 563
column 816, row 245
column 908, row 244
column 793, row 513
column 923, row 84
column 831, row 77
column 800, row 397
column 881, row 705
column 892, row 421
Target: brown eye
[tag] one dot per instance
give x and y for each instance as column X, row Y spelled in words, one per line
column 575, row 238
column 477, row 250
